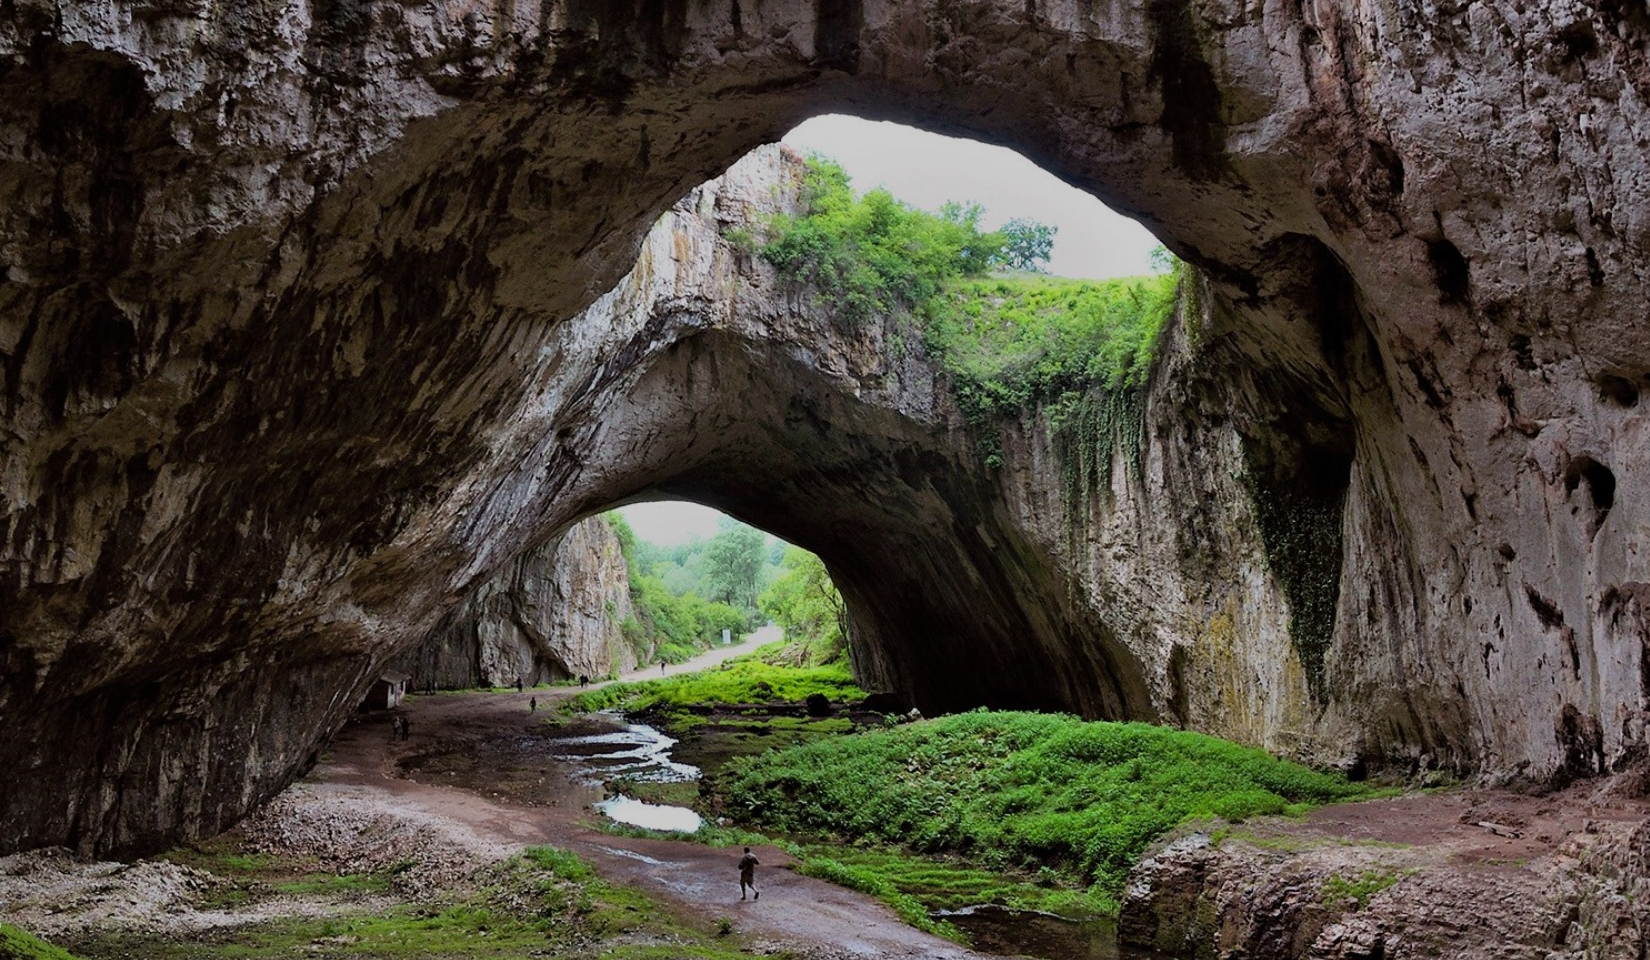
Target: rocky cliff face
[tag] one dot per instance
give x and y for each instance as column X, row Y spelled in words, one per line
column 289, row 367
column 554, row 612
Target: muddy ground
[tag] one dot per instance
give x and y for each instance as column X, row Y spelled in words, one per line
column 472, row 786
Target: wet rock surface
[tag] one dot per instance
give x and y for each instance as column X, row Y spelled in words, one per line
column 290, row 369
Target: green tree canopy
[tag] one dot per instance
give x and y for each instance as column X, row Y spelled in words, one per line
column 807, row 606
column 874, row 254
column 1027, row 244
column 733, row 564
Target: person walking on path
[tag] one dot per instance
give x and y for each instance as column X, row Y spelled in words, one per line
column 532, row 704
column 661, row 666
column 747, row 875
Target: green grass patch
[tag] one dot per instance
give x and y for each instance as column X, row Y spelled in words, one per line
column 1020, row 789
column 249, row 875
column 1357, row 891
column 869, row 881
column 544, row 903
column 18, row 944
column 744, row 680
column 940, row 882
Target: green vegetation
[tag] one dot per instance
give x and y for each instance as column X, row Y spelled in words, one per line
column 938, row 882
column 543, row 903
column 1026, row 341
column 17, row 944
column 1023, row 789
column 807, row 606
column 734, row 565
column 669, row 625
column 1300, row 529
column 914, row 885
column 872, row 255
column 248, row 875
column 1356, row 891
column 871, row 881
column 741, row 681
column 1010, row 341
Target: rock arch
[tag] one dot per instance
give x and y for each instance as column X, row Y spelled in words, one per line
column 281, row 283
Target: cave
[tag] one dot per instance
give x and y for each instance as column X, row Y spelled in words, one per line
column 293, row 359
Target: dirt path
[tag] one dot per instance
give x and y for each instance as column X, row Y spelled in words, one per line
column 801, row 913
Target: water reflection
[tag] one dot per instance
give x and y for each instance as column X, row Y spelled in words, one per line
column 649, row 815
column 634, row 751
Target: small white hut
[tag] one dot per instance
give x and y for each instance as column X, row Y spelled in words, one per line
column 386, row 692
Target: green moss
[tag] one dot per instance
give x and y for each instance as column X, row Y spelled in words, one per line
column 16, row 944
column 1300, row 528
column 1357, row 891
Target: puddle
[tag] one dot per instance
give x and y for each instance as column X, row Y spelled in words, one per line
column 649, row 815
column 1028, row 933
column 634, row 750
column 615, row 851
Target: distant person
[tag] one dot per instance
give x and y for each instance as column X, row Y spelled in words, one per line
column 584, row 679
column 747, row 875
column 661, row 666
column 404, row 728
column 395, row 728
column 532, row 704
column 518, row 683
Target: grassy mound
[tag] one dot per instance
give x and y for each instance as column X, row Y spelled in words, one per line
column 17, row 944
column 1021, row 789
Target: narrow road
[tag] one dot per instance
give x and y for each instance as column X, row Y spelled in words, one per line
column 809, row 916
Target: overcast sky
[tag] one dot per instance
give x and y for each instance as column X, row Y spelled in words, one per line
column 925, row 170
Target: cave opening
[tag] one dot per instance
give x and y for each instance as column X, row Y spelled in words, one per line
column 838, row 437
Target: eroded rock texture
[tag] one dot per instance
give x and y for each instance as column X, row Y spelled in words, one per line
column 289, row 371
column 555, row 612
column 1305, row 897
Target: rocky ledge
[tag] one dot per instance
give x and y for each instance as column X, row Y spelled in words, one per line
column 1465, row 874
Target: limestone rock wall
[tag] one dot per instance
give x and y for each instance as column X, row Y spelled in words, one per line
column 290, row 366
column 555, row 612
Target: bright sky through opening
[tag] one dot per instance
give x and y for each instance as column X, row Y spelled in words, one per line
column 926, row 170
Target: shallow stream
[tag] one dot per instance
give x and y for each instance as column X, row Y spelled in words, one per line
column 637, row 752
column 634, row 752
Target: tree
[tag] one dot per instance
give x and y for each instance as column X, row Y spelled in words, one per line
column 808, row 607
column 733, row 564
column 1027, row 244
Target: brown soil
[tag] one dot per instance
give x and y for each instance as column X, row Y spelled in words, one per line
column 513, row 797
column 1483, row 825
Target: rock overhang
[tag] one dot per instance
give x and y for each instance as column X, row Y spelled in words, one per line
column 274, row 281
